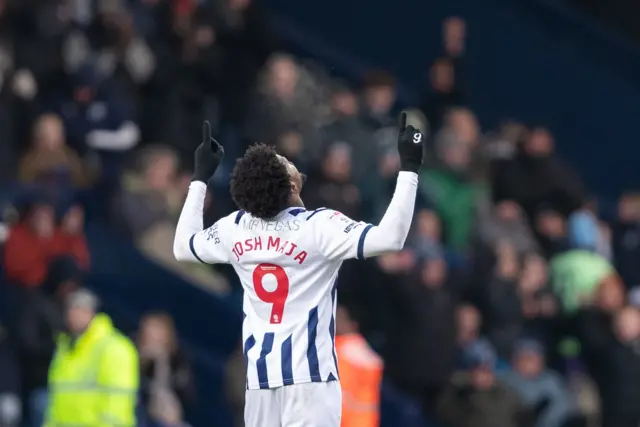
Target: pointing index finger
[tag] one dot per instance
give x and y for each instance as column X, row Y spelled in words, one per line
column 403, row 121
column 206, row 132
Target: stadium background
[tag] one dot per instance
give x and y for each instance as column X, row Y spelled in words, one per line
column 319, row 80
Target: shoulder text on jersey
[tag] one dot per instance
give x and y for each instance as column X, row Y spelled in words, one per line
column 261, row 225
column 269, row 243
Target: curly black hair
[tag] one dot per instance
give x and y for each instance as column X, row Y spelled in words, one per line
column 260, row 182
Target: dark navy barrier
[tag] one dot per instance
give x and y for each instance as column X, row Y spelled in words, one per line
column 528, row 60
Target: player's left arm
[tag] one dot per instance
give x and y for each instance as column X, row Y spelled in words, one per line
column 191, row 242
column 359, row 240
column 339, row 237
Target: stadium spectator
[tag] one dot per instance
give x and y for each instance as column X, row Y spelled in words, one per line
column 538, row 386
column 26, row 256
column 468, row 324
column 579, row 275
column 147, row 207
column 586, row 232
column 360, row 374
column 50, row 159
column 506, row 221
column 347, row 127
column 477, row 398
column 449, row 187
column 165, row 411
column 427, row 239
column 454, row 38
column 540, row 307
column 93, row 377
column 144, row 201
column 610, row 350
column 35, row 242
column 536, row 178
column 245, row 31
column 40, row 319
column 378, row 98
column 288, row 97
column 463, row 123
column 290, row 144
column 551, row 228
column 97, row 115
column 333, row 185
column 164, row 368
column 425, row 314
column 501, row 304
column 443, row 94
column 626, row 239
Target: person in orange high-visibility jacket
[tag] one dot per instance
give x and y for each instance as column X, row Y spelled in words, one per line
column 360, row 371
column 93, row 378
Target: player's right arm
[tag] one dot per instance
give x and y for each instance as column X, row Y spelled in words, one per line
column 339, row 237
column 191, row 242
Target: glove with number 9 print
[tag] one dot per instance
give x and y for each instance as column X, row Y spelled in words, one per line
column 410, row 146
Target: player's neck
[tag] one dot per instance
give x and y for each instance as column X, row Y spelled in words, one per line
column 296, row 203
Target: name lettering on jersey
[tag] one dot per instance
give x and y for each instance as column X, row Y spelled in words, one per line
column 212, row 234
column 269, row 243
column 258, row 224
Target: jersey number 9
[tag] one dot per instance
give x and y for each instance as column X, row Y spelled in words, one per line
column 278, row 296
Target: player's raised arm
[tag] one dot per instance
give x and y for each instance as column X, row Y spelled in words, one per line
column 191, row 242
column 339, row 237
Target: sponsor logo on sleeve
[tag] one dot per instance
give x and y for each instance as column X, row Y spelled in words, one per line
column 212, row 233
column 352, row 226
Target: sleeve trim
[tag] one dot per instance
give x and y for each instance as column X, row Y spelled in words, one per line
column 193, row 249
column 238, row 216
column 315, row 212
column 363, row 235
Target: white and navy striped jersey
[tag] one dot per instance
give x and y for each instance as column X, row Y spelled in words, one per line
column 288, row 267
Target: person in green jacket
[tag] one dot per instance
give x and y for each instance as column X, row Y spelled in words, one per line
column 94, row 375
column 577, row 276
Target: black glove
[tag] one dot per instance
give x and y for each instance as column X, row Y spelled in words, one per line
column 410, row 146
column 208, row 155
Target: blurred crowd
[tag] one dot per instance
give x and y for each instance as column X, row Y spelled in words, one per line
column 514, row 303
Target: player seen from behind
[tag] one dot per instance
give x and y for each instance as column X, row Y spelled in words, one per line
column 287, row 259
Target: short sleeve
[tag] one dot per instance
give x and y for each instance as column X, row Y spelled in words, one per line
column 337, row 236
column 209, row 245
